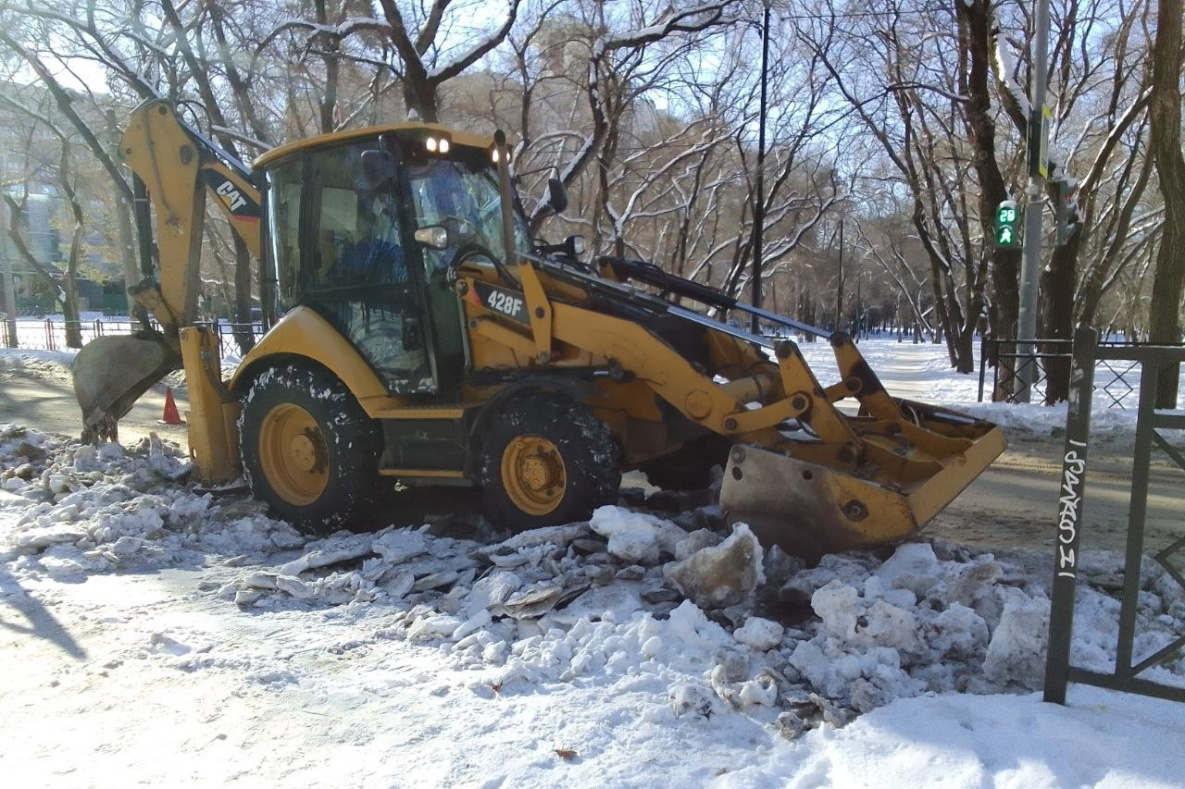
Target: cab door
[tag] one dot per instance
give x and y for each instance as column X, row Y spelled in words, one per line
column 360, row 272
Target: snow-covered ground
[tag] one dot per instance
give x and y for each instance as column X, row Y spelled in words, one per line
column 156, row 636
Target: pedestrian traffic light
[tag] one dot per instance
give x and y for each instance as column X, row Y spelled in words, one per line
column 1008, row 234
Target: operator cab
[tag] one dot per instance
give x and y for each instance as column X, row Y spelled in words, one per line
column 342, row 217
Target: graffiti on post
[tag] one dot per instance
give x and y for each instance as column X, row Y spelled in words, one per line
column 1073, row 472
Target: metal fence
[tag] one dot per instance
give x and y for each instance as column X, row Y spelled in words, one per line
column 1128, row 668
column 1116, row 379
column 51, row 335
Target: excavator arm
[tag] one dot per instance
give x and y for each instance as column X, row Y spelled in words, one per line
column 174, row 167
column 177, row 165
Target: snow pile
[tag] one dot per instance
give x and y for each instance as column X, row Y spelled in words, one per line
column 689, row 624
column 560, row 606
column 73, row 509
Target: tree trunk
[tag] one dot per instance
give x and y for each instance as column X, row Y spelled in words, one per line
column 70, row 286
column 1057, row 316
column 419, row 96
column 1165, row 115
column 123, row 213
column 71, row 313
column 244, row 335
column 964, row 344
column 14, row 233
column 70, row 309
column 975, row 25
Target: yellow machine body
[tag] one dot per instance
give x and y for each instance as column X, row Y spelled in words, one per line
column 659, row 377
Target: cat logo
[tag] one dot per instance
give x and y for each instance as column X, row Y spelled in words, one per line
column 241, row 203
column 234, row 198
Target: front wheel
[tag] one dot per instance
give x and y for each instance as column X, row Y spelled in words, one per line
column 308, row 449
column 547, row 460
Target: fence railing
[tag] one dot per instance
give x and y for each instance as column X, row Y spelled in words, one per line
column 51, row 335
column 1130, row 672
column 1117, row 379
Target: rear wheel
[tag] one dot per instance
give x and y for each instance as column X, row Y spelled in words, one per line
column 547, row 460
column 308, row 449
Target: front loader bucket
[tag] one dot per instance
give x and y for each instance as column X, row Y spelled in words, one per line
column 810, row 508
column 110, row 374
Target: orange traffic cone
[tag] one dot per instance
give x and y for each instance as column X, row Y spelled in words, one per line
column 171, row 417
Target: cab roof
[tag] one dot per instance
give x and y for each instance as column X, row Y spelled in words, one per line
column 399, row 129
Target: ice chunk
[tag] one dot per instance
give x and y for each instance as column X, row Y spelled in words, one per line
column 434, row 627
column 1017, row 649
column 634, row 536
column 330, row 551
column 760, row 634
column 396, row 546
column 913, row 566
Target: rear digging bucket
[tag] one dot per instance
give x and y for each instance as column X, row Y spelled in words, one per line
column 110, row 374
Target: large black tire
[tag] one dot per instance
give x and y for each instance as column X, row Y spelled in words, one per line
column 547, row 460
column 308, row 449
column 690, row 466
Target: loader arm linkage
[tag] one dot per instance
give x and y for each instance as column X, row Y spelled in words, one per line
column 802, row 473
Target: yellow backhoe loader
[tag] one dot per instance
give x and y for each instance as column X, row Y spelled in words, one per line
column 417, row 334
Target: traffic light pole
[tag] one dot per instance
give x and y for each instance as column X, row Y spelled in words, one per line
column 1030, row 265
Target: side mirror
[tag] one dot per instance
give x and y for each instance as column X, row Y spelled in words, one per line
column 378, row 167
column 557, row 196
column 574, row 246
column 433, row 236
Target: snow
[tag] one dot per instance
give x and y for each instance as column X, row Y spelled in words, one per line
column 159, row 636
column 922, row 372
column 1007, row 75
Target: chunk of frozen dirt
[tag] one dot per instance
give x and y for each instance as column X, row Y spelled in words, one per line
column 722, row 575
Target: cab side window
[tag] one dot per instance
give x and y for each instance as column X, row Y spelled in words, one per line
column 285, row 185
column 357, row 233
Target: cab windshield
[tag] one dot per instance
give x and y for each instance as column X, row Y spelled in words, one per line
column 459, row 196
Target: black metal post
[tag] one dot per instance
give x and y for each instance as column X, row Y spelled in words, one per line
column 983, row 341
column 1137, row 515
column 1069, row 514
column 759, row 202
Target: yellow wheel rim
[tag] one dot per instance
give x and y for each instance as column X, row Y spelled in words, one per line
column 533, row 474
column 293, row 454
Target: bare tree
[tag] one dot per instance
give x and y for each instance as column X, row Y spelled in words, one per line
column 1165, row 111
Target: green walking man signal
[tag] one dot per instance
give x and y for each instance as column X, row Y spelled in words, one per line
column 1008, row 232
